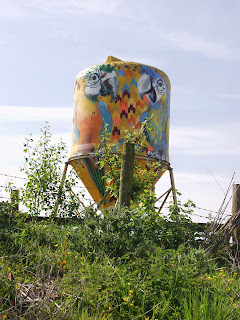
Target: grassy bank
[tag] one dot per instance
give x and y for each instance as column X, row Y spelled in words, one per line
column 118, row 266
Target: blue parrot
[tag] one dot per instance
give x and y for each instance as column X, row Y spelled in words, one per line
column 102, row 81
column 106, row 117
column 154, row 87
column 76, row 133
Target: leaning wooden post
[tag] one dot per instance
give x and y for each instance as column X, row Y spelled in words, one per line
column 60, row 189
column 173, row 186
column 126, row 175
column 236, row 209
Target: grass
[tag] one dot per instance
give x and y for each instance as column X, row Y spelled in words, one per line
column 71, row 271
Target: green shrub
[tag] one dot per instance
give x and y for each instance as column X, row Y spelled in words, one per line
column 110, row 267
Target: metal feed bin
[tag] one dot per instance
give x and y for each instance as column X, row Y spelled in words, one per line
column 121, row 95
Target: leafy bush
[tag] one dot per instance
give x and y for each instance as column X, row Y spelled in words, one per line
column 118, row 233
column 43, row 168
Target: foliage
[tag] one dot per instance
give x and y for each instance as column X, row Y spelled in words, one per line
column 49, row 270
column 43, row 169
column 110, row 159
column 121, row 233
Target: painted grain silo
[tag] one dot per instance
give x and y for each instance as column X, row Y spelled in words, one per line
column 120, row 95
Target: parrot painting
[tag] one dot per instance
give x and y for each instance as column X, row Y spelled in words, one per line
column 114, row 98
column 91, row 121
column 153, row 89
column 102, row 82
column 94, row 91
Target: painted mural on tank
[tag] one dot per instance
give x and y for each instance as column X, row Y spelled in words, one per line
column 120, row 96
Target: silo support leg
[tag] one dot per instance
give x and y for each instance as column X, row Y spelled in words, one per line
column 60, row 188
column 173, row 186
column 101, row 201
column 165, row 199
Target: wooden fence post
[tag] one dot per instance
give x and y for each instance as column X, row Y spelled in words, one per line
column 60, row 189
column 14, row 200
column 126, row 175
column 236, row 209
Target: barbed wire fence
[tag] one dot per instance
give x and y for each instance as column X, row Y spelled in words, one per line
column 211, row 216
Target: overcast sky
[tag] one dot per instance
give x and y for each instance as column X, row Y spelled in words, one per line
column 45, row 43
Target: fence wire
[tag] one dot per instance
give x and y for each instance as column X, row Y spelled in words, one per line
column 224, row 215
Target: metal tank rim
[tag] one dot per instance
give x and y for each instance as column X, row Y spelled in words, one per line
column 138, row 156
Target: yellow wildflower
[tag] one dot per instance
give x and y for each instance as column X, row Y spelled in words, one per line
column 130, row 291
column 56, row 245
column 125, row 299
column 4, row 316
column 177, row 253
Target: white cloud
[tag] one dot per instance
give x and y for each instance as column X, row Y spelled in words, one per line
column 218, row 140
column 176, row 88
column 195, row 43
column 234, row 96
column 76, row 6
column 10, row 9
column 34, row 114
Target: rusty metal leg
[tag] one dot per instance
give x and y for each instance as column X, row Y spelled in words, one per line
column 173, row 186
column 165, row 199
column 101, row 201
